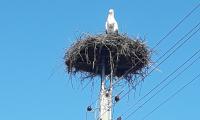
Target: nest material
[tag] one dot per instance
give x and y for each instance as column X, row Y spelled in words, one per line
column 123, row 56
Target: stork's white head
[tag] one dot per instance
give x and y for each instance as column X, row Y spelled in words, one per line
column 111, row 12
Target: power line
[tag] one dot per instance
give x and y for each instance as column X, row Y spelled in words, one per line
column 178, row 42
column 165, row 38
column 166, row 51
column 166, row 57
column 165, row 84
column 170, row 97
column 170, row 54
column 165, row 79
column 177, row 25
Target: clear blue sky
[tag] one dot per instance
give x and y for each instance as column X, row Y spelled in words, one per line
column 35, row 33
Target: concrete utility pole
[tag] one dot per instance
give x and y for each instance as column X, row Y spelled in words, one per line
column 105, row 112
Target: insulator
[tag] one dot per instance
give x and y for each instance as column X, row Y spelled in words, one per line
column 107, row 94
column 117, row 98
column 119, row 118
column 89, row 108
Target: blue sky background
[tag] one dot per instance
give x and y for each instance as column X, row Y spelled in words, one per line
column 33, row 38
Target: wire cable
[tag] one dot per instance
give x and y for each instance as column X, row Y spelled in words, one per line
column 165, row 52
column 170, row 97
column 177, row 25
column 168, row 56
column 165, row 84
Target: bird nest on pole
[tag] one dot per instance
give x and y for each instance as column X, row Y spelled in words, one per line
column 124, row 57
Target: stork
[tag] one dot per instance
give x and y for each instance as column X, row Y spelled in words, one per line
column 111, row 24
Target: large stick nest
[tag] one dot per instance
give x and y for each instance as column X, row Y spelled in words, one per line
column 124, row 56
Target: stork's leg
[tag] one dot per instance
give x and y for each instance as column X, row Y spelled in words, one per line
column 116, row 32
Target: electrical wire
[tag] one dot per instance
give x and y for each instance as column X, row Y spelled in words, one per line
column 164, row 85
column 165, row 52
column 177, row 25
column 170, row 97
column 168, row 55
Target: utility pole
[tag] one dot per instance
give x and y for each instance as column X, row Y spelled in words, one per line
column 105, row 104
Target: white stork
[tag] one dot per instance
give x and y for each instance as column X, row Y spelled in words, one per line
column 111, row 24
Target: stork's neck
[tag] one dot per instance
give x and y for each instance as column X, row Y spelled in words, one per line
column 111, row 17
